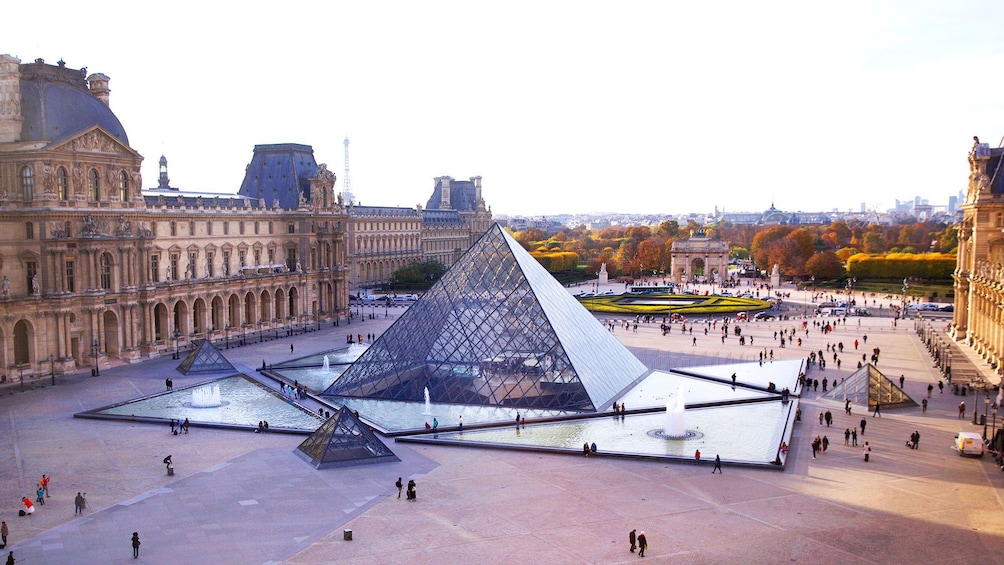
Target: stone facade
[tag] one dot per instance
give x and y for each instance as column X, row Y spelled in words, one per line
column 93, row 268
column 979, row 274
column 699, row 259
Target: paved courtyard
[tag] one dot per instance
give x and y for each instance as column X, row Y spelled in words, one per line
column 242, row 497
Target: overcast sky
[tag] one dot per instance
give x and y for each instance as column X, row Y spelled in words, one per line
column 657, row 107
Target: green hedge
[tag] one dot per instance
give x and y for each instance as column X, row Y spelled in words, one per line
column 558, row 261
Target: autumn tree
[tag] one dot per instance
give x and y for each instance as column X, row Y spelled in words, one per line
column 824, row 265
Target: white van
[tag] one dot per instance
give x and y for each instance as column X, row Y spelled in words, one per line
column 968, row 443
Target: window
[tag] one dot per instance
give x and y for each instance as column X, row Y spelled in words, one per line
column 256, row 228
column 226, row 228
column 93, row 186
column 106, row 271
column 242, row 257
column 226, row 261
column 209, row 228
column 270, row 227
column 174, row 228
column 291, row 227
column 241, row 228
column 66, row 229
column 70, row 285
column 257, row 257
column 63, row 183
column 291, row 258
column 271, row 256
column 191, row 228
column 29, row 230
column 999, row 221
column 27, row 184
column 209, row 263
column 192, row 258
column 123, row 186
column 155, row 268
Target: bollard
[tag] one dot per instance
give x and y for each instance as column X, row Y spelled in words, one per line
column 347, row 535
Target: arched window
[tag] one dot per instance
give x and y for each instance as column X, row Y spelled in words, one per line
column 106, row 271
column 94, row 186
column 63, row 183
column 123, row 187
column 27, row 184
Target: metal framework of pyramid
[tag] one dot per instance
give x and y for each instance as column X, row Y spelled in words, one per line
column 343, row 441
column 868, row 384
column 496, row 330
column 205, row 358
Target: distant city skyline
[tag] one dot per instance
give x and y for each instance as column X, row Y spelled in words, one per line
column 559, row 107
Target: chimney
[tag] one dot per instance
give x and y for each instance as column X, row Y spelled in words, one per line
column 444, row 201
column 98, row 83
column 477, row 189
column 10, row 99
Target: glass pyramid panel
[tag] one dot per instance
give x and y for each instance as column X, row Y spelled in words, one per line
column 869, row 385
column 205, row 359
column 497, row 329
column 343, row 440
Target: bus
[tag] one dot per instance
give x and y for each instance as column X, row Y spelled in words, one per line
column 652, row 289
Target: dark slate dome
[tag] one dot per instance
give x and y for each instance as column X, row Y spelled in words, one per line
column 56, row 103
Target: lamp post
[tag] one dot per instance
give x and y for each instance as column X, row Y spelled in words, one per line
column 20, row 374
column 906, row 287
column 261, row 330
column 986, row 410
column 275, row 328
column 52, row 368
column 993, row 430
column 227, row 330
column 97, row 366
column 177, row 336
column 289, row 325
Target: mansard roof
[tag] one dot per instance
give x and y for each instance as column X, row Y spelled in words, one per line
column 279, row 174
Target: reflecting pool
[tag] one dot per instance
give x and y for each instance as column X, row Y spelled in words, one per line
column 244, row 403
column 310, row 370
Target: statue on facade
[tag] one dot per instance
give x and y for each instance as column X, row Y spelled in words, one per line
column 124, row 226
column 34, row 284
column 90, row 226
column 5, row 287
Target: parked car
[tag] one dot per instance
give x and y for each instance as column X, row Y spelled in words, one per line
column 947, row 308
column 765, row 316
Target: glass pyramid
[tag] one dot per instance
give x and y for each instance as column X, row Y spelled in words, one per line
column 343, row 440
column 869, row 385
column 498, row 330
column 205, row 358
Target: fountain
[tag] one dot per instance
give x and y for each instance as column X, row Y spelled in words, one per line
column 428, row 405
column 675, row 426
column 327, row 364
column 206, row 397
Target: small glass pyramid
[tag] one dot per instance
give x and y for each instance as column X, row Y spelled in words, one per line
column 205, row 358
column 496, row 330
column 869, row 385
column 343, row 440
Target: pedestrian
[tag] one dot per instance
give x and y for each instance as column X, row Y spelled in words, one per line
column 185, row 425
column 435, row 424
column 168, row 383
column 29, row 508
column 173, row 423
column 45, row 483
column 821, row 418
column 642, row 544
column 168, row 461
column 461, row 424
column 867, row 451
column 916, row 439
column 829, row 418
column 847, row 406
column 825, row 443
column 902, row 379
column 847, row 436
column 10, row 558
column 733, row 380
column 863, row 424
column 695, row 342
column 291, row 348
column 697, row 456
column 3, row 534
column 878, row 410
column 517, row 418
column 854, row 437
column 930, row 389
column 135, row 545
column 718, row 465
column 962, row 409
column 412, row 490
column 633, row 539
column 400, row 487
column 78, row 504
column 41, row 495
column 923, row 405
column 941, row 387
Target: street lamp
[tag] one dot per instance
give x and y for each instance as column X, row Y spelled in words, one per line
column 177, row 336
column 993, row 430
column 289, row 326
column 986, row 409
column 97, row 366
column 244, row 327
column 52, row 368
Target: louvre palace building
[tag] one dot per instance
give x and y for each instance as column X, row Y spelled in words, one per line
column 94, row 268
column 979, row 273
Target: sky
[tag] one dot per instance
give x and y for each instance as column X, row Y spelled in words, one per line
column 561, row 107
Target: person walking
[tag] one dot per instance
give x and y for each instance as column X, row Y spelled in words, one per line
column 863, row 424
column 10, row 558
column 633, row 538
column 45, row 485
column 930, row 389
column 400, row 487
column 962, row 410
column 847, row 436
column 642, row 544
column 135, row 545
column 41, row 495
column 3, row 534
column 78, row 504
column 878, row 410
column 718, row 465
column 867, row 451
column 412, row 490
column 854, row 437
column 923, row 405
